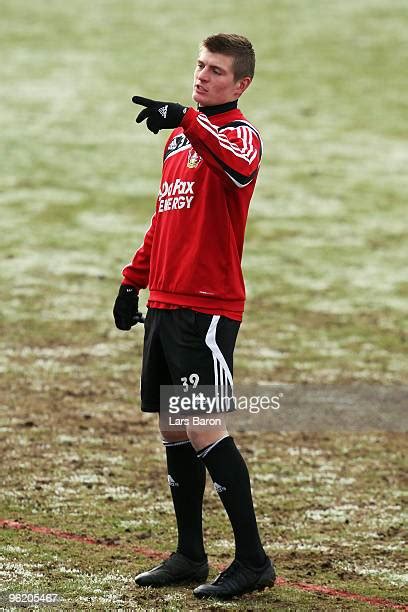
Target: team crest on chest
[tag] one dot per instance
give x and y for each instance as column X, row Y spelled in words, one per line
column 193, row 159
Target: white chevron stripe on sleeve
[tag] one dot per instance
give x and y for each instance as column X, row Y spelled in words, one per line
column 224, row 142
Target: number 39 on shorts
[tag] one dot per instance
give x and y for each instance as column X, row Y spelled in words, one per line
column 192, row 379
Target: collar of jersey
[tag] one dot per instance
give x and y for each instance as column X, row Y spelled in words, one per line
column 219, row 108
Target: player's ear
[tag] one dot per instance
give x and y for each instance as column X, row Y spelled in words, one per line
column 242, row 85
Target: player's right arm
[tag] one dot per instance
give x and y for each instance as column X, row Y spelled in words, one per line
column 135, row 276
column 136, row 273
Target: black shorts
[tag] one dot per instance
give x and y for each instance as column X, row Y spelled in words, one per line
column 180, row 343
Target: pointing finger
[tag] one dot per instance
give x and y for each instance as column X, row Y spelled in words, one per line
column 143, row 101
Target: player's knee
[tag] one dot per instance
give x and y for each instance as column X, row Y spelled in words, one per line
column 200, row 438
column 173, row 436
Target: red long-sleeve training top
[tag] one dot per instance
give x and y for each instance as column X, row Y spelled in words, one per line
column 191, row 253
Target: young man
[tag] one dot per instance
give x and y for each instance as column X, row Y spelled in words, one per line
column 191, row 261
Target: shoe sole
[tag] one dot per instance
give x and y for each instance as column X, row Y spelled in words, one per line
column 186, row 580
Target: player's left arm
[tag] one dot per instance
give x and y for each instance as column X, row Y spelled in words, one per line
column 233, row 150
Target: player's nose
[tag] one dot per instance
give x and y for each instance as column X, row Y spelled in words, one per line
column 203, row 74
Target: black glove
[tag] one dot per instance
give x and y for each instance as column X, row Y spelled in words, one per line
column 126, row 308
column 159, row 115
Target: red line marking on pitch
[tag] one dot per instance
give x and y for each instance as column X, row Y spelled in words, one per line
column 65, row 535
column 154, row 554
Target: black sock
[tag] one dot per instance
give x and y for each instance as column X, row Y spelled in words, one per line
column 230, row 476
column 186, row 477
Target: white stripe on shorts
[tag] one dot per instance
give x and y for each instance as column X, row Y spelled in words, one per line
column 222, row 373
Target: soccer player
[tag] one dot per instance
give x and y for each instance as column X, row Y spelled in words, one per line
column 191, row 261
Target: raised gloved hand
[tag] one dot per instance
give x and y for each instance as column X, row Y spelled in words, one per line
column 159, row 115
column 126, row 308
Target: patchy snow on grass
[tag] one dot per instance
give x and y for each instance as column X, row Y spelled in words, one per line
column 174, row 597
column 36, row 200
column 264, row 477
column 397, row 547
column 106, row 458
column 336, row 514
column 300, row 546
column 56, row 353
column 9, row 570
column 301, row 450
column 223, row 544
column 66, row 439
column 62, row 491
column 15, row 549
column 163, row 507
column 338, row 306
column 69, row 570
column 119, row 492
column 224, row 605
column 135, row 523
column 384, row 573
column 87, row 478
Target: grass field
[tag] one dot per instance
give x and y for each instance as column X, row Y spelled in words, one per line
column 325, row 263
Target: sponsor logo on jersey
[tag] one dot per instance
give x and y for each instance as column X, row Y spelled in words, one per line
column 193, row 159
column 176, row 195
column 179, row 142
